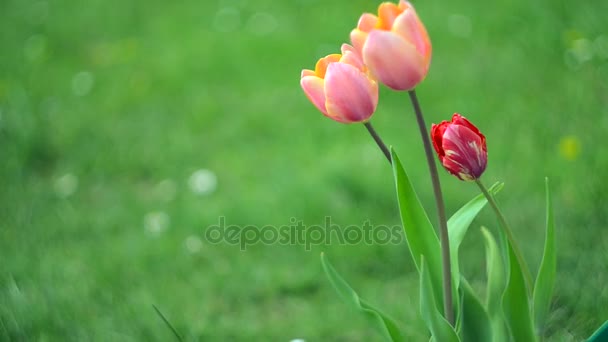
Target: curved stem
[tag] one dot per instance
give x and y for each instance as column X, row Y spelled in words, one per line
column 448, row 306
column 378, row 141
column 509, row 233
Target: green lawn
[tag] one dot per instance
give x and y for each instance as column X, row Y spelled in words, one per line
column 113, row 112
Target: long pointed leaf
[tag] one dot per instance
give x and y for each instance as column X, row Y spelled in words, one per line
column 600, row 335
column 419, row 232
column 476, row 325
column 515, row 302
column 543, row 288
column 388, row 327
column 440, row 329
column 459, row 223
column 496, row 274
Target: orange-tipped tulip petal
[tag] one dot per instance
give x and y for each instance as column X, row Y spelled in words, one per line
column 395, row 45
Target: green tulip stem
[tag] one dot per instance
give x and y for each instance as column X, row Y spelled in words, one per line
column 378, row 140
column 509, row 233
column 448, row 306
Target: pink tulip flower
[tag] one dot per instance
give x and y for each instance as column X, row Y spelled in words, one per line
column 341, row 87
column 394, row 45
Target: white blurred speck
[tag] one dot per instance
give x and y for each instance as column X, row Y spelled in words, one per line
column 202, row 182
column 297, row 340
column 459, row 25
column 66, row 185
column 582, row 50
column 82, row 83
column 155, row 223
column 35, row 47
column 262, row 23
column 166, row 190
column 227, row 19
column 193, row 244
column 601, row 46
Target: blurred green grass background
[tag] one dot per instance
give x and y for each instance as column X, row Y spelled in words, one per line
column 128, row 128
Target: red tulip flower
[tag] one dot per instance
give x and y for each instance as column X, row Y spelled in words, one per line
column 461, row 147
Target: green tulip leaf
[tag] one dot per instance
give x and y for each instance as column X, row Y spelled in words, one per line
column 543, row 288
column 515, row 301
column 388, row 327
column 440, row 329
column 459, row 223
column 495, row 287
column 600, row 335
column 419, row 232
column 475, row 323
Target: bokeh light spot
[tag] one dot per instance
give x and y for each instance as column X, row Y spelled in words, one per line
column 570, row 147
column 262, row 23
column 582, row 50
column 66, row 185
column 193, row 244
column 82, row 83
column 155, row 223
column 202, row 182
column 35, row 48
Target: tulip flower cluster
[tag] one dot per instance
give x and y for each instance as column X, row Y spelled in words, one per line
column 393, row 48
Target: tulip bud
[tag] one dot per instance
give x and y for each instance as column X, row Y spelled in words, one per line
column 341, row 87
column 395, row 45
column 461, row 147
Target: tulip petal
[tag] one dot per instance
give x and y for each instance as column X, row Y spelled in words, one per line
column 409, row 26
column 403, row 5
column 322, row 64
column 393, row 60
column 307, row 72
column 437, row 137
column 353, row 58
column 351, row 95
column 358, row 38
column 465, row 155
column 313, row 87
column 367, row 22
column 458, row 119
column 387, row 13
column 347, row 48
